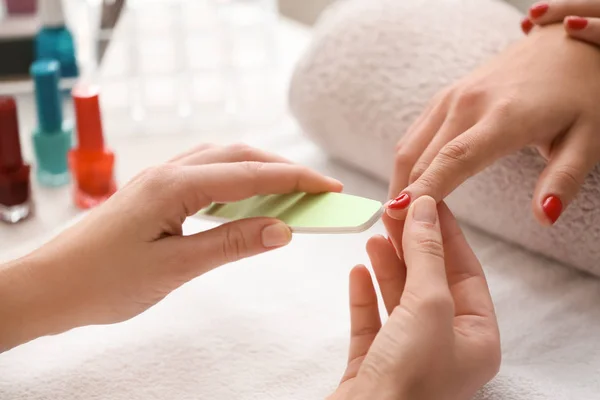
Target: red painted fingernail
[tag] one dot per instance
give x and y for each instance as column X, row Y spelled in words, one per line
column 552, row 207
column 400, row 202
column 526, row 25
column 576, row 23
column 537, row 10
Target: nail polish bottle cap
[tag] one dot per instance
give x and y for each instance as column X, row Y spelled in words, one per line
column 45, row 75
column 51, row 13
column 10, row 146
column 89, row 119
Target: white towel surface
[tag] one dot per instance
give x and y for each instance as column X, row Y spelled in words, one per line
column 276, row 326
column 370, row 70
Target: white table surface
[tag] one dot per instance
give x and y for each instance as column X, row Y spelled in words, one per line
column 137, row 150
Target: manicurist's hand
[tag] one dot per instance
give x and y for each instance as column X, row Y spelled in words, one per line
column 542, row 92
column 129, row 253
column 441, row 339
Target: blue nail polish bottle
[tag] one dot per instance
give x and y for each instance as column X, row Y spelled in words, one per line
column 54, row 40
column 52, row 139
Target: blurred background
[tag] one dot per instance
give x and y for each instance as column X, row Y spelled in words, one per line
column 166, row 65
column 172, row 74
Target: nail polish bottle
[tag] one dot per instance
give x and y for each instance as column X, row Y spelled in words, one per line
column 15, row 202
column 91, row 163
column 52, row 139
column 54, row 41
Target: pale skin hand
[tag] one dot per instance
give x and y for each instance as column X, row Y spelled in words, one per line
column 441, row 340
column 129, row 254
column 581, row 18
column 543, row 92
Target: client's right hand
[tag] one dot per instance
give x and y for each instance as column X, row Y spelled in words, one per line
column 441, row 340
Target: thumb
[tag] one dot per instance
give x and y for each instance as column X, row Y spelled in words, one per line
column 562, row 178
column 426, row 287
column 231, row 242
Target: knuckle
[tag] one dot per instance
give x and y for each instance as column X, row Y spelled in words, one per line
column 433, row 304
column 506, row 107
column 568, row 175
column 403, row 161
column 253, row 172
column 468, row 98
column 427, row 182
column 241, row 151
column 418, row 171
column 430, row 246
column 235, row 245
column 365, row 331
column 438, row 304
column 161, row 176
column 253, row 168
column 443, row 94
column 457, row 151
column 203, row 147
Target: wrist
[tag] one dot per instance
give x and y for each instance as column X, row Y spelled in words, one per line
column 32, row 303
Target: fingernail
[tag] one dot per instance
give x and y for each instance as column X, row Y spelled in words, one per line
column 399, row 203
column 334, row 181
column 526, row 25
column 389, row 239
column 576, row 23
column 425, row 210
column 539, row 9
column 276, row 235
column 552, row 207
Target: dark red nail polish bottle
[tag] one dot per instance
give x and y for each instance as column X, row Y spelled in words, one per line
column 92, row 163
column 15, row 202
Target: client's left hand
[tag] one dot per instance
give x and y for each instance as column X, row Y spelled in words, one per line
column 441, row 339
column 130, row 253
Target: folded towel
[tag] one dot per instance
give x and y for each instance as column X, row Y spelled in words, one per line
column 369, row 72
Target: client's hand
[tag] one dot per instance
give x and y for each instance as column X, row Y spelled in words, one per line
column 130, row 253
column 581, row 18
column 441, row 339
column 543, row 92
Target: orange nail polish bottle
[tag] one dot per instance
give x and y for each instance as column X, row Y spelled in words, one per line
column 91, row 163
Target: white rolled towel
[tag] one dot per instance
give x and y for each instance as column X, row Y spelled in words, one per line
column 371, row 68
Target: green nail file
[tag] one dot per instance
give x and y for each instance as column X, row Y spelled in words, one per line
column 304, row 212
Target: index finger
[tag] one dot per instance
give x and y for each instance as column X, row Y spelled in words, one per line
column 461, row 158
column 223, row 183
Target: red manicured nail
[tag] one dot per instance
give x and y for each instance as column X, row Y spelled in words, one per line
column 552, row 207
column 526, row 25
column 576, row 23
column 400, row 202
column 537, row 10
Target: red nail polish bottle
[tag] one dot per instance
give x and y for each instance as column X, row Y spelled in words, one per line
column 91, row 163
column 15, row 202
